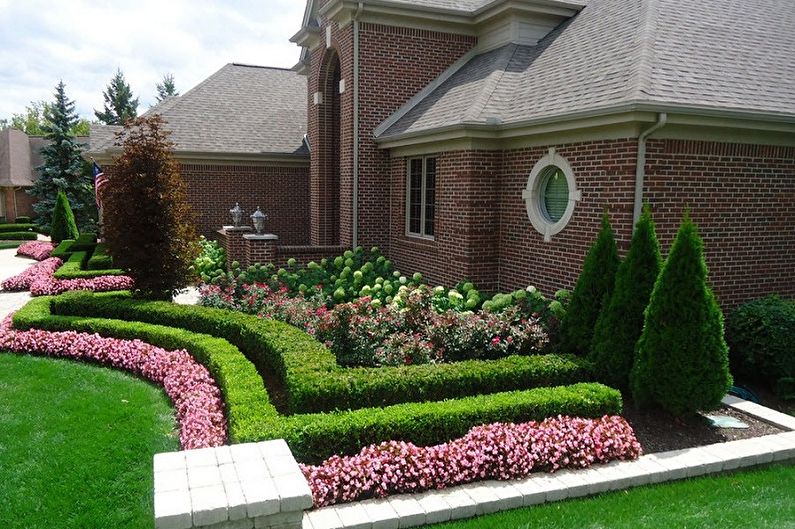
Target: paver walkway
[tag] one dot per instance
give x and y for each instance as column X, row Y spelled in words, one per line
column 11, row 265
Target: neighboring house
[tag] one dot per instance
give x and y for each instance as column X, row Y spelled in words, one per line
column 482, row 139
column 239, row 137
column 20, row 157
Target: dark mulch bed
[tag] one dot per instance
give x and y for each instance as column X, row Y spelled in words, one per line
column 660, row 432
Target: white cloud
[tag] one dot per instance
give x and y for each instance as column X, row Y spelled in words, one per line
column 84, row 41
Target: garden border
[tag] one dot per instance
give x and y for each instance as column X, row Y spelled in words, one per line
column 245, row 510
column 313, row 380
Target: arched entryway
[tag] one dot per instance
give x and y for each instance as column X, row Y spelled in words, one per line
column 326, row 221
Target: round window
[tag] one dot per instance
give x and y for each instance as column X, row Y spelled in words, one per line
column 554, row 193
column 551, row 194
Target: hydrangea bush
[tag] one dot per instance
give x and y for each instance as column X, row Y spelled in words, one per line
column 495, row 451
column 38, row 250
column 196, row 398
column 39, row 279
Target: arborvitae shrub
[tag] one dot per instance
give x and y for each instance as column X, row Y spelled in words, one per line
column 621, row 320
column 593, row 288
column 149, row 226
column 681, row 360
column 63, row 220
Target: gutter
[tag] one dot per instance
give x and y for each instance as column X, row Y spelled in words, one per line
column 640, row 168
column 355, row 212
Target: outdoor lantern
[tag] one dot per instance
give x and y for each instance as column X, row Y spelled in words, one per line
column 237, row 215
column 259, row 218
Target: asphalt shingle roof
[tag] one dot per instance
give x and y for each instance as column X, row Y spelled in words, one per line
column 239, row 109
column 710, row 53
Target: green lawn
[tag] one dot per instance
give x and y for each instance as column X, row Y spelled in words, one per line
column 758, row 498
column 76, row 445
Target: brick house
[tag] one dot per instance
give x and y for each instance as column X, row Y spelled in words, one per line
column 482, row 139
column 239, row 137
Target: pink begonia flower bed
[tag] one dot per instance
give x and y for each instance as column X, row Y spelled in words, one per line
column 39, row 279
column 495, row 451
column 196, row 398
column 38, row 250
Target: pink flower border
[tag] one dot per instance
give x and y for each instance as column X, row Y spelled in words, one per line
column 38, row 250
column 39, row 279
column 196, row 397
column 495, row 451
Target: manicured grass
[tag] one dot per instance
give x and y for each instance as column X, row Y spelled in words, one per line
column 761, row 498
column 76, row 444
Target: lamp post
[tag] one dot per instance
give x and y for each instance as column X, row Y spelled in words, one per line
column 237, row 215
column 259, row 218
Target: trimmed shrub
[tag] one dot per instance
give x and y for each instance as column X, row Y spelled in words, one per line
column 592, row 291
column 63, row 220
column 85, row 242
column 23, row 220
column 154, row 236
column 100, row 259
column 63, row 250
column 761, row 338
column 309, row 371
column 16, row 227
column 681, row 361
column 18, row 236
column 621, row 320
column 74, row 268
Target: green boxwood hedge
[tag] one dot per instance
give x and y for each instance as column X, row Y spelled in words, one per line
column 63, row 250
column 316, row 436
column 74, row 268
column 309, row 372
column 17, row 227
column 100, row 259
column 19, row 236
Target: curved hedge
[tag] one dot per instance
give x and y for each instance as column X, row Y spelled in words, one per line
column 74, row 268
column 309, row 371
column 316, row 436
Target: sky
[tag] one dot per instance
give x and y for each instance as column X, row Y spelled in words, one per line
column 83, row 42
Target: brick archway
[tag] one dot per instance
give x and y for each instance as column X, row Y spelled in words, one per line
column 326, row 181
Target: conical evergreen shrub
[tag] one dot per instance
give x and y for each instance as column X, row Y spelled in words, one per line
column 621, row 320
column 593, row 288
column 63, row 220
column 681, row 360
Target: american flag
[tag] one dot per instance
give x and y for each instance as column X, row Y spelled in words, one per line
column 99, row 180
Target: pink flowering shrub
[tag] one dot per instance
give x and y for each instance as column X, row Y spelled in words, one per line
column 38, row 250
column 412, row 330
column 196, row 398
column 494, row 451
column 39, row 279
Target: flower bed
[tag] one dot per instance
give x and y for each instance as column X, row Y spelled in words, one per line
column 196, row 398
column 494, row 451
column 39, row 279
column 38, row 250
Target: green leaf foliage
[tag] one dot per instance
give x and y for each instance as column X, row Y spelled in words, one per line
column 681, row 361
column 593, row 289
column 621, row 320
column 761, row 338
column 63, row 168
column 63, row 220
column 120, row 105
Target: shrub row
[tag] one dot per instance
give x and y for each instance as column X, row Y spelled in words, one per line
column 85, row 242
column 311, row 376
column 74, row 268
column 63, row 249
column 246, row 400
column 18, row 236
column 314, row 437
column 17, row 227
column 100, row 259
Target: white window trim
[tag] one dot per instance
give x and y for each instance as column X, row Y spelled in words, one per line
column 410, row 233
column 531, row 195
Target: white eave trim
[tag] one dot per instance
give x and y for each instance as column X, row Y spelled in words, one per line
column 285, row 159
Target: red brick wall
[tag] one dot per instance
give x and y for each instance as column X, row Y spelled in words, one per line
column 741, row 196
column 281, row 192
column 743, row 199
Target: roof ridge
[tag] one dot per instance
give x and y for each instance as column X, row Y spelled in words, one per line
column 244, row 65
column 492, row 83
column 647, row 31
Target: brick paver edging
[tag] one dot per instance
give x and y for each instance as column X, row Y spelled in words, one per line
column 259, row 485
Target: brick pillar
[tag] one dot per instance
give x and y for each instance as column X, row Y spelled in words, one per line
column 231, row 239
column 260, row 248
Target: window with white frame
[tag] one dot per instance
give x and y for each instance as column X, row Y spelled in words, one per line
column 551, row 194
column 421, row 197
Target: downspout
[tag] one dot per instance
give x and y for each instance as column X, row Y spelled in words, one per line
column 640, row 169
column 355, row 213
